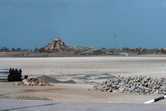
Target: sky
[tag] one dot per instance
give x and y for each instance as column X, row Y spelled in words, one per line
column 35, row 23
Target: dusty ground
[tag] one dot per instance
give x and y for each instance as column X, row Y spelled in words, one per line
column 85, row 71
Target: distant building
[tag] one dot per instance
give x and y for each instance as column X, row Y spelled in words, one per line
column 55, row 45
column 95, row 52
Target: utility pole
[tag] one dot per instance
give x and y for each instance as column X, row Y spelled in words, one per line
column 115, row 40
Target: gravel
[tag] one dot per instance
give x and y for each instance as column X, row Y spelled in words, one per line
column 133, row 85
column 54, row 80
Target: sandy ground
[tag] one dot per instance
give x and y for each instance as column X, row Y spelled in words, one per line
column 154, row 66
column 86, row 72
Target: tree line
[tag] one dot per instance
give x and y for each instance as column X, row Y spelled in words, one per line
column 5, row 49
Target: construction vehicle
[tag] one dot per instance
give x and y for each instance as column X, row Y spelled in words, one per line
column 11, row 74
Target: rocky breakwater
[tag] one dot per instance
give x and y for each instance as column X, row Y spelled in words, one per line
column 133, row 85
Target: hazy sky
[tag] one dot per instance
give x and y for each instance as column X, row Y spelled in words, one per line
column 35, row 23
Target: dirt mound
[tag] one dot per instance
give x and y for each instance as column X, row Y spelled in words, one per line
column 54, row 80
column 33, row 82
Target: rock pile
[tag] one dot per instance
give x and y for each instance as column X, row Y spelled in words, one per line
column 33, row 82
column 133, row 85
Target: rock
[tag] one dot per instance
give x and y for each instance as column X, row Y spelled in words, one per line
column 26, row 82
column 34, row 82
column 95, row 87
column 109, row 84
column 136, row 85
column 121, row 89
column 146, row 84
column 110, row 90
column 116, row 82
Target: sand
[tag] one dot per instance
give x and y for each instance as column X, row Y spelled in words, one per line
column 85, row 72
column 88, row 65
